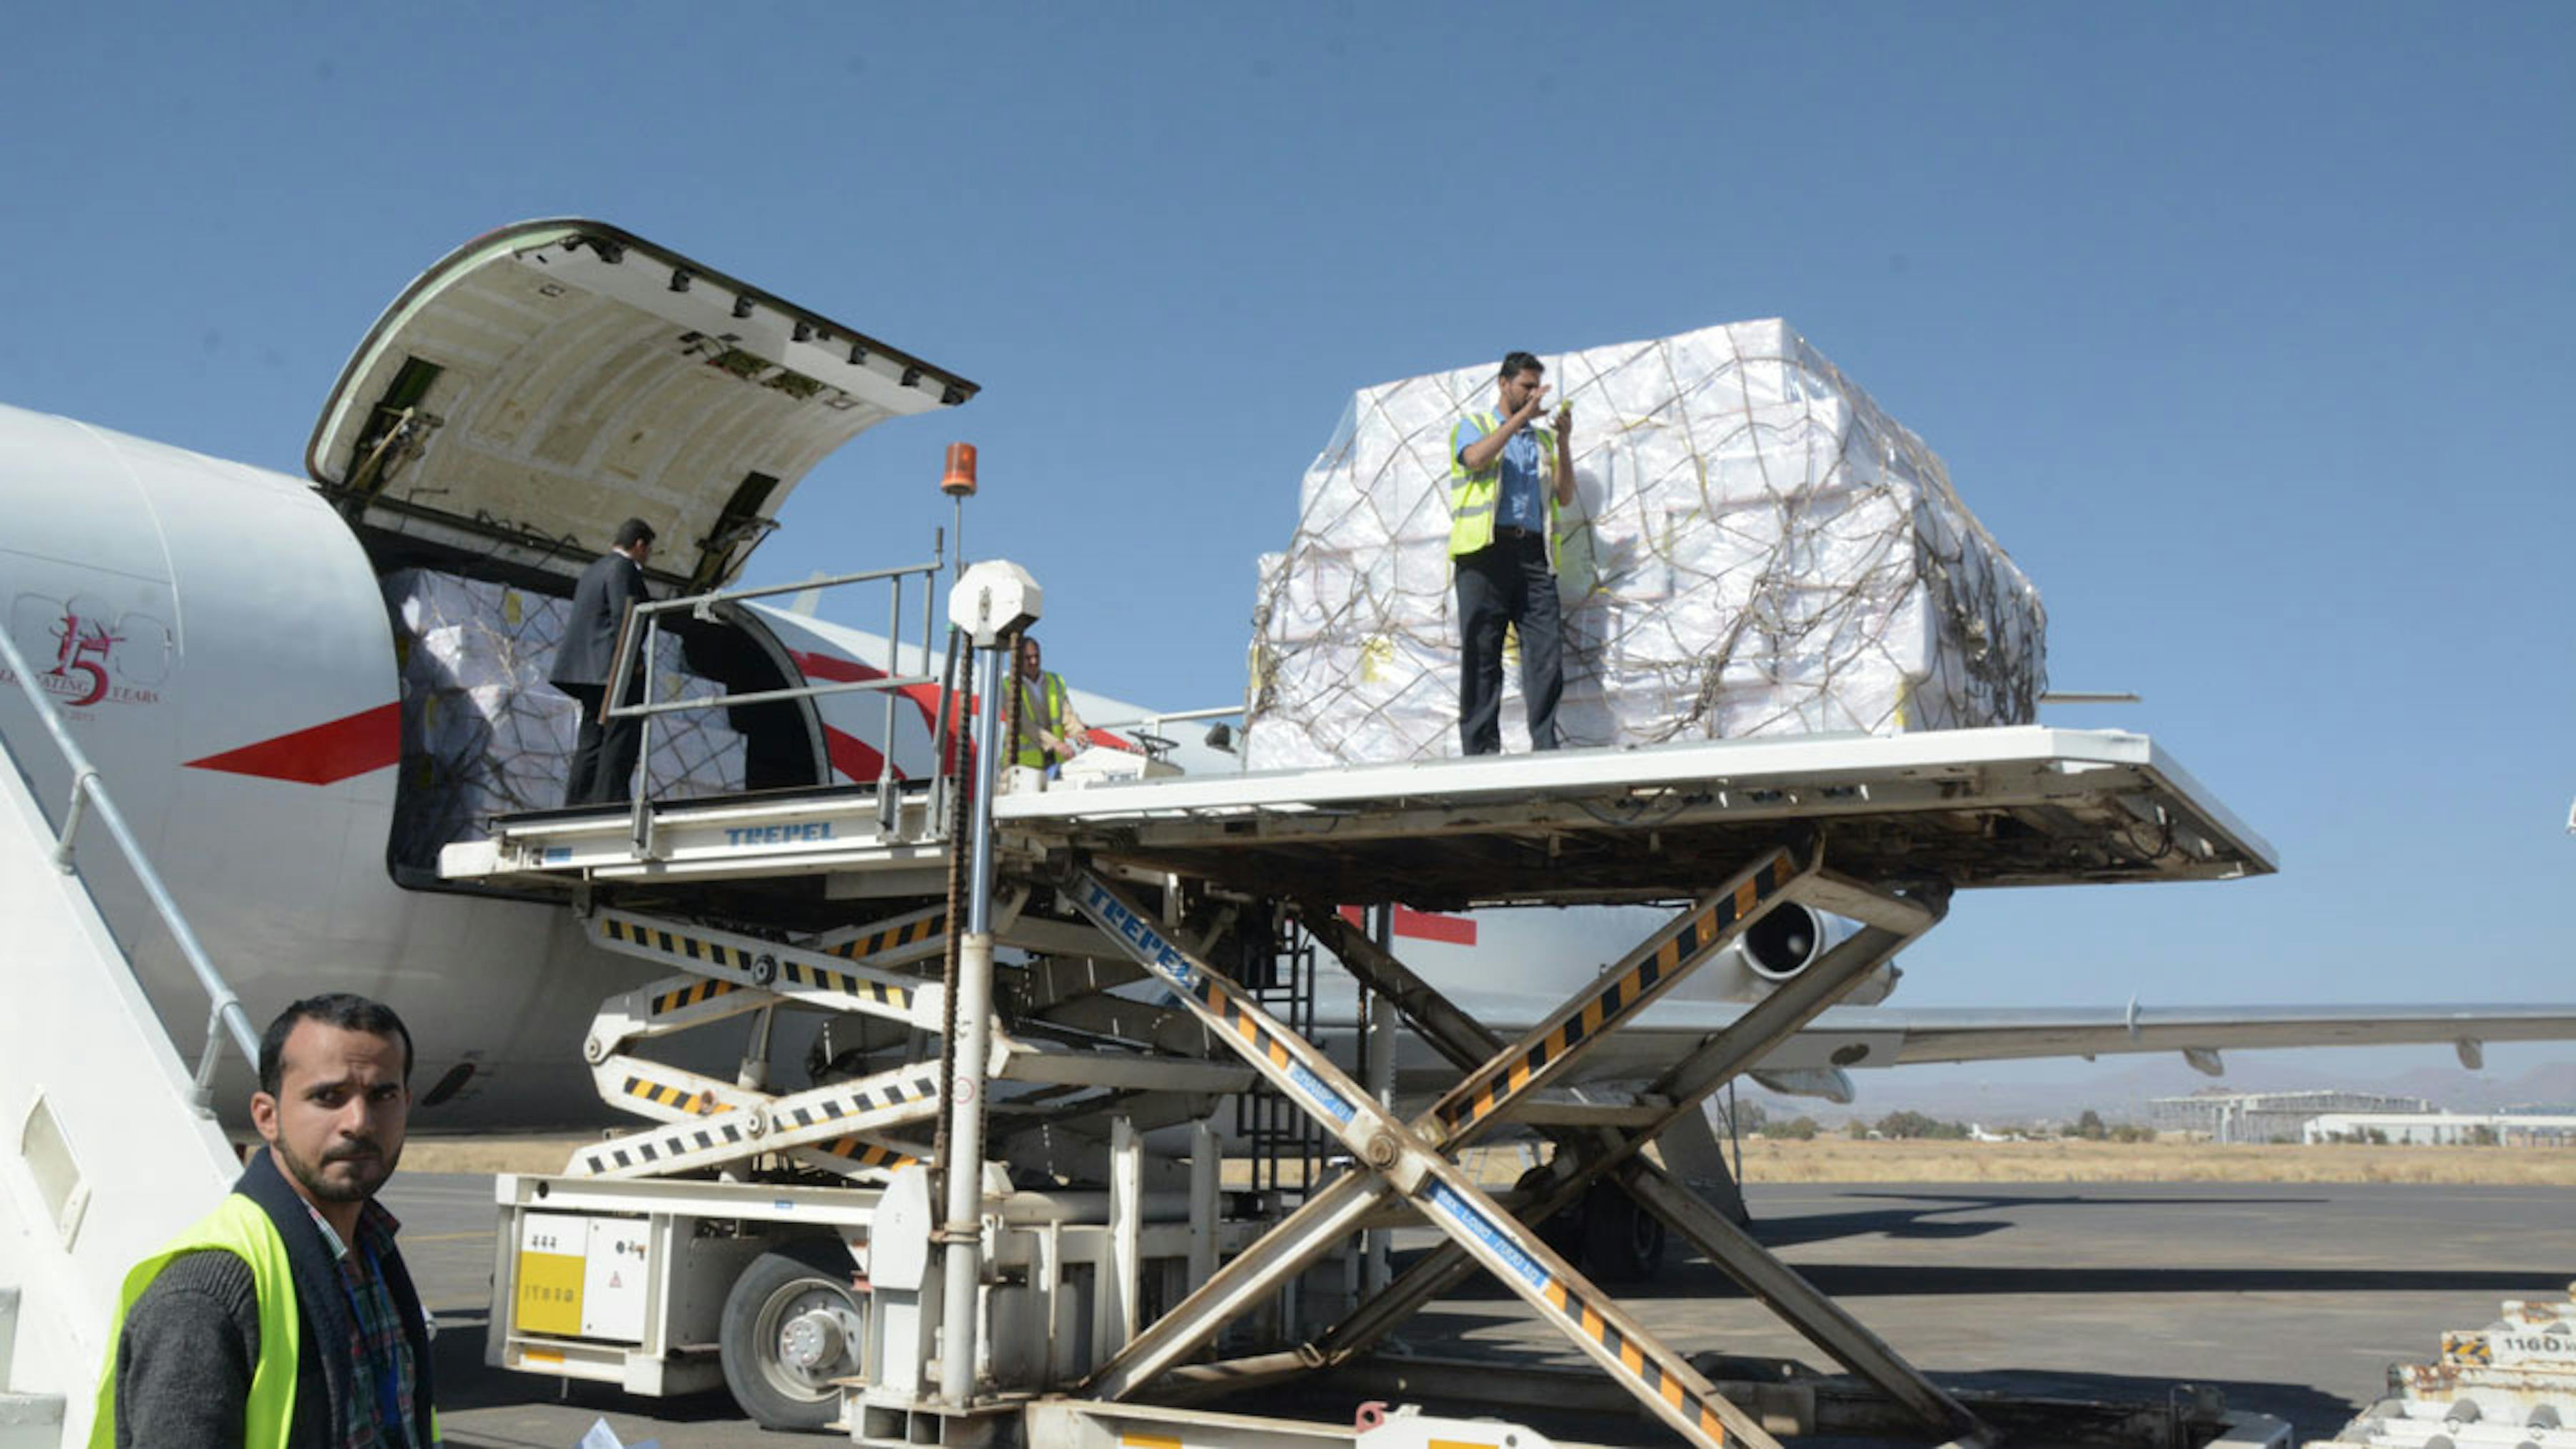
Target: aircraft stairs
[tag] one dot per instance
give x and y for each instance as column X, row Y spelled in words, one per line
column 113, row 1146
column 1285, row 1147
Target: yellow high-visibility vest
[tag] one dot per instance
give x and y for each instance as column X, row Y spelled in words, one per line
column 1032, row 752
column 1473, row 497
column 237, row 1226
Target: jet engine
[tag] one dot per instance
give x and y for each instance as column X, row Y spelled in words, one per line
column 1788, row 939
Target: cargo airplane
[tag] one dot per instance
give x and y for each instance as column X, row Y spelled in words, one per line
column 219, row 638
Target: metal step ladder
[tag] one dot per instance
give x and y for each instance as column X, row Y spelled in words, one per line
column 27, row 1420
column 1285, row 1145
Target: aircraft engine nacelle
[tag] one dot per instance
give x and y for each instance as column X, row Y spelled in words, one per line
column 1780, row 947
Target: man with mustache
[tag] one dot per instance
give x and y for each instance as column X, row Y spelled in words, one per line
column 1508, row 476
column 1042, row 725
column 286, row 1318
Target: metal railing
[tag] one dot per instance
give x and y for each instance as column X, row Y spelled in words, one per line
column 1147, row 729
column 89, row 793
column 1175, row 716
column 703, row 607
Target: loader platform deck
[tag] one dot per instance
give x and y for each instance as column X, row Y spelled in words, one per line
column 2014, row 806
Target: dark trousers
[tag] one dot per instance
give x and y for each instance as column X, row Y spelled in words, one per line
column 603, row 753
column 1507, row 582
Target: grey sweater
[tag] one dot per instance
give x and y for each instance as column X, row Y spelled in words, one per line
column 184, row 1361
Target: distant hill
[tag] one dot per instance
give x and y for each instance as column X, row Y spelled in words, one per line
column 2119, row 1093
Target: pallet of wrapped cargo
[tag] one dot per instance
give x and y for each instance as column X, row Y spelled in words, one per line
column 1754, row 548
column 484, row 734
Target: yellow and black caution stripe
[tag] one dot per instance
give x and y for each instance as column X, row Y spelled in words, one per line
column 1616, row 998
column 677, row 944
column 1587, row 1319
column 1269, row 1049
column 651, row 1151
column 1302, row 1073
column 797, row 973
column 907, row 933
column 829, row 1114
column 1650, row 1366
column 917, row 1085
column 665, row 1094
column 682, row 946
column 696, row 993
column 859, row 1152
column 2467, row 1348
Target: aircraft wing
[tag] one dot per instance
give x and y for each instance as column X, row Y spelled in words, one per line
column 1851, row 1037
column 1986, row 1035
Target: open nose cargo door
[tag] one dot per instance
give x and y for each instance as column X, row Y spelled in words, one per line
column 550, row 379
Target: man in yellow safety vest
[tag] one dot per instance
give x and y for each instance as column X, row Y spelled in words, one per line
column 1043, row 730
column 1507, row 478
column 285, row 1317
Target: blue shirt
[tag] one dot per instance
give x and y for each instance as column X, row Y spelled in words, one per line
column 1523, row 500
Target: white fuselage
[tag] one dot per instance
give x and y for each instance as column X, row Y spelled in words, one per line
column 232, row 676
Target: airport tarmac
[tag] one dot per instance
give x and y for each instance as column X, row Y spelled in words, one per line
column 2292, row 1299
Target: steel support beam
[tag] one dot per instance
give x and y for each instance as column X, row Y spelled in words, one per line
column 1401, row 1160
column 1764, row 1027
column 1500, row 1075
column 1731, row 1051
column 1644, row 975
column 1237, row 1288
column 1465, row 1041
column 1814, row 1314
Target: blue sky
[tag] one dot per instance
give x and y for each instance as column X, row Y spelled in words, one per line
column 2242, row 327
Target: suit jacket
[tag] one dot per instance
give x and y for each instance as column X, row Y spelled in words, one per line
column 598, row 609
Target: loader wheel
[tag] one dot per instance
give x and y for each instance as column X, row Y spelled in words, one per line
column 792, row 1324
column 1622, row 1242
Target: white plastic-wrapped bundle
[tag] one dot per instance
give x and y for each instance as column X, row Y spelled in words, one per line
column 484, row 734
column 1754, row 548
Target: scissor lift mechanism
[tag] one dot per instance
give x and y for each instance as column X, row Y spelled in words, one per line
column 1880, row 831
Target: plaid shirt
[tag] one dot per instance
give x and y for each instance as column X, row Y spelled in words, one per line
column 380, row 1415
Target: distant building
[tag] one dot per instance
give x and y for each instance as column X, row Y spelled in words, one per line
column 2445, row 1129
column 2224, row 1116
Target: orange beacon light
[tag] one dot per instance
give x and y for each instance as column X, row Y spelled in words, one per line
column 959, row 479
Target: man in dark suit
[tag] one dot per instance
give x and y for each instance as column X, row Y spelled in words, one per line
column 603, row 756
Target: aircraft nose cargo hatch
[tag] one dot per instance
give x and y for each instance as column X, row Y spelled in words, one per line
column 549, row 379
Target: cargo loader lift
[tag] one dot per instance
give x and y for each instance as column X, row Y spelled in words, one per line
column 853, row 1128
column 1097, row 1285
column 1414, row 1160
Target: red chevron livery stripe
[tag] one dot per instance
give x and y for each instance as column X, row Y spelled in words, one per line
column 1422, row 925
column 325, row 754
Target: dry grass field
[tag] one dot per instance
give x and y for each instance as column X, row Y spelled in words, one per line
column 1837, row 1159
column 2068, row 1160
column 543, row 1155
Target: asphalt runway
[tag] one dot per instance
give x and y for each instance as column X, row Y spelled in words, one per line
column 2292, row 1299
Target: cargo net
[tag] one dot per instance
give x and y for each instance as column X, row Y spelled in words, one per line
column 1753, row 549
column 484, row 734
